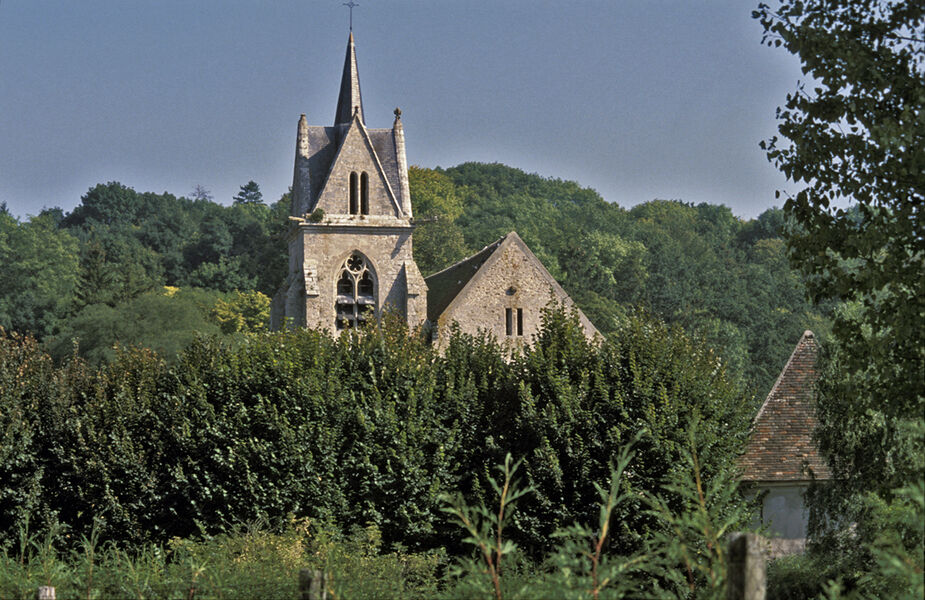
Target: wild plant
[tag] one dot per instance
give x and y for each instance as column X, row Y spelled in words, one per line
column 584, row 569
column 695, row 518
column 486, row 529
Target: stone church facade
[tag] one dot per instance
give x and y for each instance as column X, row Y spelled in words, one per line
column 350, row 246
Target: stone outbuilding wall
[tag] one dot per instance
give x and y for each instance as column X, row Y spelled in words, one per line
column 501, row 290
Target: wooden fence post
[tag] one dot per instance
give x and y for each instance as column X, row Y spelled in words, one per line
column 745, row 573
column 312, row 585
column 45, row 592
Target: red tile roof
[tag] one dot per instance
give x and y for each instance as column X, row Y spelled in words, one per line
column 780, row 447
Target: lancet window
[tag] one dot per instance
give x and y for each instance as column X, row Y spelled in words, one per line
column 359, row 193
column 364, row 194
column 514, row 321
column 356, row 293
column 354, row 194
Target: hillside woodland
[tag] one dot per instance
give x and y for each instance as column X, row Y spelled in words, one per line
column 155, row 441
column 154, row 433
column 154, row 270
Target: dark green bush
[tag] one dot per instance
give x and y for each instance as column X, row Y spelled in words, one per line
column 368, row 428
column 796, row 577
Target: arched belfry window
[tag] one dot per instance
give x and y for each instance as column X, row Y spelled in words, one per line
column 354, row 193
column 364, row 194
column 356, row 293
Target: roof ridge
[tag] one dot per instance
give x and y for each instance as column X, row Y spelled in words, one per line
column 806, row 335
column 468, row 258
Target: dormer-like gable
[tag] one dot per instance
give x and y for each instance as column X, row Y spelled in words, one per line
column 356, row 182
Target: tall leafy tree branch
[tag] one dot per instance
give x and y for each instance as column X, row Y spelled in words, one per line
column 853, row 135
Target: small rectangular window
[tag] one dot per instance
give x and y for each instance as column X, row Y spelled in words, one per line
column 509, row 321
column 520, row 321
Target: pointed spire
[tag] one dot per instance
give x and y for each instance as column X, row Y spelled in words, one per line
column 404, row 189
column 349, row 101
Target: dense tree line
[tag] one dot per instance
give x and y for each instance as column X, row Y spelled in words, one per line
column 720, row 277
column 140, row 269
column 97, row 274
column 367, row 428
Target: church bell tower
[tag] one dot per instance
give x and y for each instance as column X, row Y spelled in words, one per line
column 350, row 244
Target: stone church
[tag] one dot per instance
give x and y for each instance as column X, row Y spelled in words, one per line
column 350, row 246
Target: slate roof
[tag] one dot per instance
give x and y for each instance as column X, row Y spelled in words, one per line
column 324, row 143
column 445, row 285
column 780, row 446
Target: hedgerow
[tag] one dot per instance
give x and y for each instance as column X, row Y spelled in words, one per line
column 369, row 428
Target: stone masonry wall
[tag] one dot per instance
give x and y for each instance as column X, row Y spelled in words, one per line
column 513, row 281
column 320, row 253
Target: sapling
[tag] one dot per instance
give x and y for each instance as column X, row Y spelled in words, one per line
column 486, row 527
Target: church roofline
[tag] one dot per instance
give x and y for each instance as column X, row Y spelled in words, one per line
column 364, row 134
column 481, row 262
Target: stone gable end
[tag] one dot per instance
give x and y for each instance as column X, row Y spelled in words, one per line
column 356, row 155
column 506, row 297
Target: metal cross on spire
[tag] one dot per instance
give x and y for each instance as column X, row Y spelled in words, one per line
column 351, row 4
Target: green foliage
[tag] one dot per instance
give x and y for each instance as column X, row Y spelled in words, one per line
column 890, row 538
column 249, row 194
column 133, row 242
column 721, row 278
column 370, row 427
column 798, row 577
column 697, row 518
column 38, row 274
column 684, row 556
column 242, row 312
column 578, row 403
column 583, row 568
column 115, row 269
column 857, row 137
column 897, row 551
column 438, row 239
column 165, row 321
column 485, row 527
column 249, row 562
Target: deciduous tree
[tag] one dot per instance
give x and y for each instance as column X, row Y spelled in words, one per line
column 853, row 135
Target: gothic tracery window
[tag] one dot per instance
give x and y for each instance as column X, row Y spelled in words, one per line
column 355, row 303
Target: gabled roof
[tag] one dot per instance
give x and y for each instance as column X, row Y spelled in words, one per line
column 451, row 286
column 780, row 447
column 323, row 145
column 443, row 287
column 349, row 98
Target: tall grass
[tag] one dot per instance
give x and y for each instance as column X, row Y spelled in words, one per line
column 251, row 562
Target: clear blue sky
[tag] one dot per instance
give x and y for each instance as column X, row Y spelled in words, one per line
column 638, row 99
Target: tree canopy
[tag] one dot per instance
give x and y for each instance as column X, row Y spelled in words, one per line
column 722, row 278
column 853, row 136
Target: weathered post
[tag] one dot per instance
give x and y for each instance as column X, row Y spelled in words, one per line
column 45, row 592
column 312, row 585
column 745, row 573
